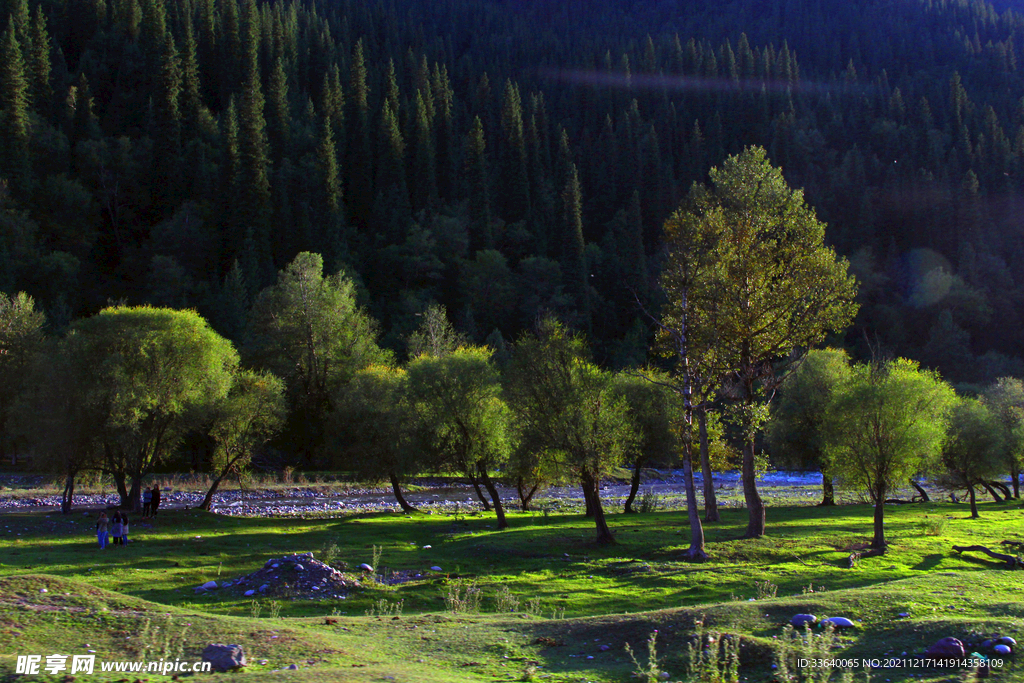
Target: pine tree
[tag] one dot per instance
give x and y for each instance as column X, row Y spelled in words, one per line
column 391, row 207
column 279, row 119
column 358, row 158
column 229, row 45
column 514, row 179
column 254, row 162
column 478, row 188
column 327, row 164
column 14, row 121
column 444, row 106
column 424, row 185
column 167, row 124
column 39, row 65
column 191, row 98
column 207, row 52
column 573, row 262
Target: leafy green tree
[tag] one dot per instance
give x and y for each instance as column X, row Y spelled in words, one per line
column 1005, row 399
column 21, row 338
column 250, row 415
column 972, row 449
column 55, row 421
column 564, row 406
column 462, row 416
column 886, row 423
column 374, row 426
column 687, row 332
column 774, row 288
column 654, row 410
column 796, row 431
column 147, row 376
column 307, row 329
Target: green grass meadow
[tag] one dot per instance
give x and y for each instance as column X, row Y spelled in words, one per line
column 574, row 597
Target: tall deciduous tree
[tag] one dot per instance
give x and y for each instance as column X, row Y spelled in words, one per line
column 654, row 410
column 971, row 452
column 774, row 288
column 462, row 417
column 146, row 376
column 374, row 426
column 563, row 406
column 886, row 423
column 1006, row 400
column 796, row 431
column 308, row 330
column 21, row 338
column 245, row 420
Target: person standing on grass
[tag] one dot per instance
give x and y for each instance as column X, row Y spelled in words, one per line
column 101, row 530
column 147, row 502
column 124, row 528
column 116, row 527
column 156, row 499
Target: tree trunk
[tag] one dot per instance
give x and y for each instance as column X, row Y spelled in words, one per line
column 67, row 499
column 1015, row 475
column 135, row 495
column 924, row 494
column 525, row 496
column 493, row 490
column 1002, row 489
column 122, row 489
column 878, row 542
column 208, row 500
column 828, row 490
column 755, row 506
column 992, row 492
column 974, row 503
column 479, row 493
column 604, row 533
column 396, row 487
column 588, row 499
column 696, row 549
column 634, row 486
column 710, row 501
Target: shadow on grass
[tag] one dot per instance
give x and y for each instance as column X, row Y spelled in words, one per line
column 929, row 562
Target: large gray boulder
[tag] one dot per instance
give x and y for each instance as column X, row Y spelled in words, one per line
column 224, row 657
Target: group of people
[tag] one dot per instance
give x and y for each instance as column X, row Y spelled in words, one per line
column 114, row 531
column 150, row 501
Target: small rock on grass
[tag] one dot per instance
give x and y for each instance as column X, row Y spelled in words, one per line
column 946, row 647
column 436, row 569
column 799, row 620
column 1002, row 649
column 224, row 657
column 365, row 567
column 838, row 622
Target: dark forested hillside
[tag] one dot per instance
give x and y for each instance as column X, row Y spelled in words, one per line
column 506, row 158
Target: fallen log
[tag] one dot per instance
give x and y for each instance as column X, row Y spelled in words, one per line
column 1011, row 561
column 1013, row 544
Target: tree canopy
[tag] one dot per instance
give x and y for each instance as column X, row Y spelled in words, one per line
column 886, row 423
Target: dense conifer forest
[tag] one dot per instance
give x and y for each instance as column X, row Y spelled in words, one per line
column 508, row 159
